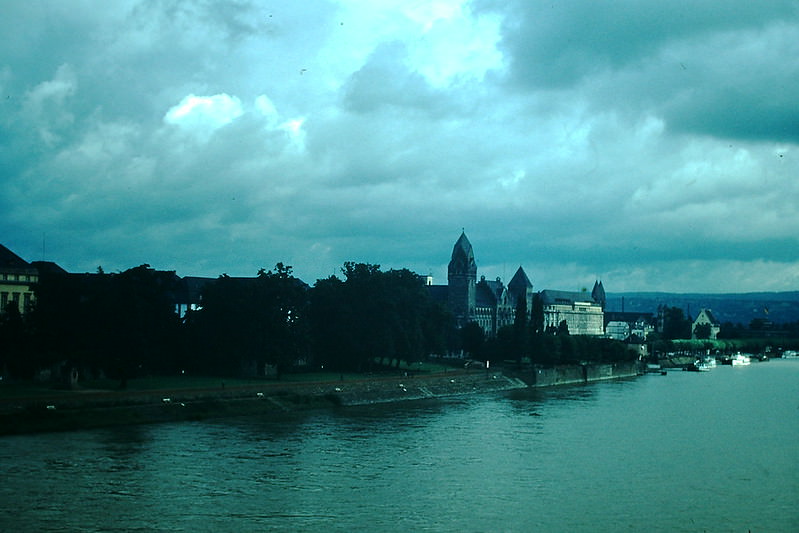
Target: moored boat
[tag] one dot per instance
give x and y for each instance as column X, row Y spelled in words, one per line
column 698, row 366
column 741, row 359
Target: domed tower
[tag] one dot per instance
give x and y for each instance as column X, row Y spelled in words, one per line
column 461, row 280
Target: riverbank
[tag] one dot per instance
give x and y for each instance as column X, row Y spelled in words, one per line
column 84, row 409
column 81, row 409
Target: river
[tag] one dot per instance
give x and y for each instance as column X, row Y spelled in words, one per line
column 712, row 451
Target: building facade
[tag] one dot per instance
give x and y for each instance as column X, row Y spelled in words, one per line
column 17, row 278
column 492, row 304
column 489, row 303
column 580, row 312
column 706, row 318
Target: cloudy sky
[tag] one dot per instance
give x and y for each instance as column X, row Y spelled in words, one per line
column 652, row 145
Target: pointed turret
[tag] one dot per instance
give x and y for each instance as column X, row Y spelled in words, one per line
column 462, row 260
column 598, row 293
column 520, row 287
column 520, row 281
column 461, row 279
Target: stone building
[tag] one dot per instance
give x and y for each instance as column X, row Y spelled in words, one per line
column 17, row 278
column 582, row 314
column 492, row 304
column 705, row 317
column 489, row 303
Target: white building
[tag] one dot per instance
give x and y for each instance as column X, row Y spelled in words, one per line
column 583, row 315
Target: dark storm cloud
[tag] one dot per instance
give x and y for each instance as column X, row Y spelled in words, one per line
column 725, row 69
column 638, row 141
column 762, row 109
column 555, row 44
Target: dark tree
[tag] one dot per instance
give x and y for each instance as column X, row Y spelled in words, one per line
column 375, row 316
column 121, row 323
column 537, row 331
column 331, row 314
column 521, row 334
column 138, row 315
column 248, row 323
column 15, row 357
column 537, row 315
column 729, row 330
column 472, row 339
column 675, row 324
column 702, row 331
column 760, row 324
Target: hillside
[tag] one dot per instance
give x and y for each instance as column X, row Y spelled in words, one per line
column 779, row 307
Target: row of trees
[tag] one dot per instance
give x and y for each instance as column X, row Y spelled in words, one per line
column 125, row 324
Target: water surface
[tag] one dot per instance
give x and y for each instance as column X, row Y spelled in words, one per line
column 715, row 451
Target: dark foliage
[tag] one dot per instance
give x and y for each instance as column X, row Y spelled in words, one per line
column 375, row 315
column 125, row 325
column 121, row 324
column 675, row 324
column 248, row 323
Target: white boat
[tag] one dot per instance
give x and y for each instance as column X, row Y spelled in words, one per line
column 740, row 359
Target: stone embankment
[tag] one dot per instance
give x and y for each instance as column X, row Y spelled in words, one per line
column 575, row 374
column 86, row 409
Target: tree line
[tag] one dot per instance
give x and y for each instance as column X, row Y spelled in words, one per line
column 124, row 325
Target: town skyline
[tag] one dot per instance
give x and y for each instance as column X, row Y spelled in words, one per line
column 652, row 146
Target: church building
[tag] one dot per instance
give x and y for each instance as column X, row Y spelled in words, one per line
column 489, row 303
column 492, row 304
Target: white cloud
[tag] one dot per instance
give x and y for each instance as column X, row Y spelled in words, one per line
column 202, row 115
column 265, row 106
column 294, row 128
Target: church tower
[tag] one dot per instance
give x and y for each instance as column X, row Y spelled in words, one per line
column 598, row 294
column 520, row 287
column 461, row 280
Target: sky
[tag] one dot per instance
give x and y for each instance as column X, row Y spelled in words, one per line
column 650, row 145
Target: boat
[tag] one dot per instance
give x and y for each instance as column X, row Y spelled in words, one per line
column 741, row 359
column 697, row 366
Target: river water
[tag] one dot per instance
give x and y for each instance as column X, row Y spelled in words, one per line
column 713, row 451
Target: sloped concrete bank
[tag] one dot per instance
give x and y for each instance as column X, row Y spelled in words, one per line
column 83, row 410
column 415, row 388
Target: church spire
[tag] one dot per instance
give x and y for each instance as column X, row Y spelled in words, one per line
column 598, row 293
column 462, row 260
column 461, row 280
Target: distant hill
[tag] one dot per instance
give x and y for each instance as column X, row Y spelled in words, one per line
column 779, row 307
